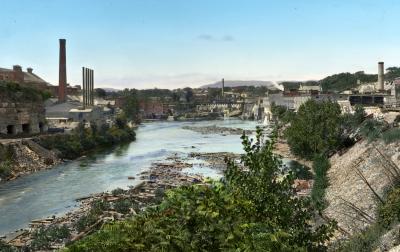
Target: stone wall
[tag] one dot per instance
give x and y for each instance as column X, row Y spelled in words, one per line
column 21, row 117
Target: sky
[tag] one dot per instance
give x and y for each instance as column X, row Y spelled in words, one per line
column 178, row 43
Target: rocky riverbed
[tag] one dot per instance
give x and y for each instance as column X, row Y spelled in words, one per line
column 218, row 130
column 96, row 210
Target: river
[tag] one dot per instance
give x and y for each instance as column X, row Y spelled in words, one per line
column 54, row 191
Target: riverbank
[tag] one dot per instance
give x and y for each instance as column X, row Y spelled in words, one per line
column 97, row 209
column 54, row 191
column 28, row 155
column 218, row 130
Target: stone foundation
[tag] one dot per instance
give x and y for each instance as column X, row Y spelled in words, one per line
column 21, row 117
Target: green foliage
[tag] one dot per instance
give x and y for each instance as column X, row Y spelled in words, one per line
column 117, row 191
column 131, row 104
column 83, row 140
column 17, row 92
column 5, row 169
column 99, row 92
column 282, row 113
column 291, row 85
column 352, row 122
column 121, row 121
column 300, row 171
column 85, row 221
column 99, row 206
column 320, row 166
column 389, row 212
column 4, row 247
column 253, row 209
column 44, row 236
column 343, row 81
column 124, row 205
column 314, row 129
column 392, row 73
column 391, row 135
column 371, row 129
column 367, row 240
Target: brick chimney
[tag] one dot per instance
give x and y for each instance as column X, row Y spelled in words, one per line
column 62, row 77
column 18, row 74
column 29, row 70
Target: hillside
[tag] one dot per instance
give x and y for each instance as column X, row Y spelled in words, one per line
column 240, row 83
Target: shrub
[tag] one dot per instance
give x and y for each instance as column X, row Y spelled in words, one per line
column 123, row 206
column 44, row 236
column 83, row 140
column 117, row 191
column 99, row 206
column 253, row 209
column 315, row 129
column 320, row 167
column 85, row 221
column 367, row 240
column 391, row 135
column 371, row 129
column 300, row 171
column 159, row 194
column 389, row 212
column 5, row 169
column 6, row 248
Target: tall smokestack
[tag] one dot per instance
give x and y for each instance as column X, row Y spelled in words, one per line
column 381, row 76
column 62, row 77
column 223, row 86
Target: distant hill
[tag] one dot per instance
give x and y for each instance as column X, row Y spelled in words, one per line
column 111, row 90
column 239, row 83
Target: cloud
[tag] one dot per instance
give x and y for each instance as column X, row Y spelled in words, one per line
column 160, row 81
column 228, row 38
column 209, row 37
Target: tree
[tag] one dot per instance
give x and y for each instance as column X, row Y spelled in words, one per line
column 251, row 209
column 315, row 128
column 101, row 93
column 188, row 94
column 130, row 104
column 392, row 73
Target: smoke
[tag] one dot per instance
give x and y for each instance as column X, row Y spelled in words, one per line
column 278, row 85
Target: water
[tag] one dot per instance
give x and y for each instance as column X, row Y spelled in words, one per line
column 54, row 192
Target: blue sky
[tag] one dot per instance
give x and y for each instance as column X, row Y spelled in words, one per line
column 178, row 43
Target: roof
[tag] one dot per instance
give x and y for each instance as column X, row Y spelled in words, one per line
column 61, row 109
column 28, row 77
column 88, row 110
column 31, row 77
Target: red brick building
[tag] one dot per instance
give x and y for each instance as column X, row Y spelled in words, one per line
column 30, row 79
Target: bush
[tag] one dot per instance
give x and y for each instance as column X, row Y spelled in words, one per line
column 6, row 248
column 44, row 236
column 389, row 212
column 320, row 167
column 124, row 205
column 371, row 129
column 99, row 206
column 367, row 240
column 117, row 191
column 300, row 171
column 391, row 135
column 5, row 169
column 315, row 129
column 85, row 221
column 83, row 140
column 253, row 209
